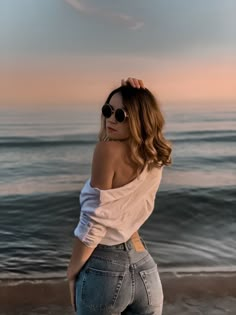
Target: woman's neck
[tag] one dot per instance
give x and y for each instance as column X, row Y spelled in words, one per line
column 110, row 139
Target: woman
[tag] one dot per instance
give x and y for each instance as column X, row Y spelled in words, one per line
column 111, row 270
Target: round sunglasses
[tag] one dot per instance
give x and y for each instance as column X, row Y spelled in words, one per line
column 120, row 113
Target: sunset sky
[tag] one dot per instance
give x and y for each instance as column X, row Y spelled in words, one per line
column 71, row 52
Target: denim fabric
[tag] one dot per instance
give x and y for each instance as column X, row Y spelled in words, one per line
column 119, row 280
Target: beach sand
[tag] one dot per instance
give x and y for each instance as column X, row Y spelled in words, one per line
column 184, row 306
column 190, row 294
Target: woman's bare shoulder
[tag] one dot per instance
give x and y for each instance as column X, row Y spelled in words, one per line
column 111, row 152
column 104, row 163
column 109, row 147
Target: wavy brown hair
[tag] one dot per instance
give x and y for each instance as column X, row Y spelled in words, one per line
column 146, row 122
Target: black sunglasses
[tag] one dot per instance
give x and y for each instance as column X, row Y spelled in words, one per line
column 120, row 114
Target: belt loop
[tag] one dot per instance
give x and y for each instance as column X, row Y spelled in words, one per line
column 126, row 246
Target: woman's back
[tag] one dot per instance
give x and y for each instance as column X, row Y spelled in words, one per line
column 125, row 171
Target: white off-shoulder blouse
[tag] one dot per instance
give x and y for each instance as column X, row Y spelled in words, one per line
column 111, row 216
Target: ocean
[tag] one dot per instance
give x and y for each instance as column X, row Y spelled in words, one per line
column 45, row 158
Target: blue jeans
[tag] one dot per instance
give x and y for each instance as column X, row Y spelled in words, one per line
column 119, row 280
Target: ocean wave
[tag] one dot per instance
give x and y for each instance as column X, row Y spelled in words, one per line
column 30, row 142
column 91, row 139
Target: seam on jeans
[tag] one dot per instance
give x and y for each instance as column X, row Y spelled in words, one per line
column 115, row 262
column 143, row 260
column 132, row 285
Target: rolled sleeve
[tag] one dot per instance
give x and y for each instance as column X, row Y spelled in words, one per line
column 89, row 231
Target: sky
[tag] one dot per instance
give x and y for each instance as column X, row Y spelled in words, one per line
column 72, row 52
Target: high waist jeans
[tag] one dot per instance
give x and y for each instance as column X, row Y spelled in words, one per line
column 118, row 280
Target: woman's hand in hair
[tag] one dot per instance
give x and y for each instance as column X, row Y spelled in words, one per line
column 135, row 83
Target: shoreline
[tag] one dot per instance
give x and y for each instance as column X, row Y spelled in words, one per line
column 163, row 274
column 54, row 291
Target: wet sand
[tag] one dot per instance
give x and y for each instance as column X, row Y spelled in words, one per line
column 211, row 294
column 185, row 306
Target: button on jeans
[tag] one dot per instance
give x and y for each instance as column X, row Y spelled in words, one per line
column 119, row 280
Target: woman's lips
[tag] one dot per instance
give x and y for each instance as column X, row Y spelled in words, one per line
column 111, row 129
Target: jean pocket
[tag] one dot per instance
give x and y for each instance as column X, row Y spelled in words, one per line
column 100, row 288
column 153, row 286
